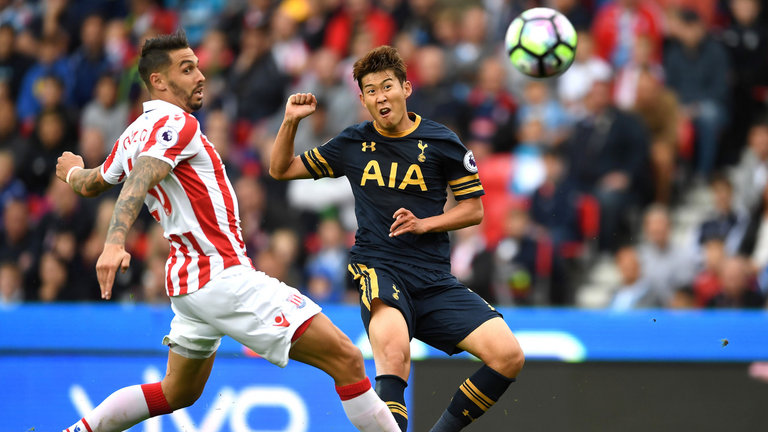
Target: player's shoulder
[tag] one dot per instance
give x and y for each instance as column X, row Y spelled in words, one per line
column 181, row 120
column 430, row 129
column 157, row 111
column 356, row 132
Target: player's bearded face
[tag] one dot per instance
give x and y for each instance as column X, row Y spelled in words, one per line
column 193, row 97
column 383, row 95
column 185, row 80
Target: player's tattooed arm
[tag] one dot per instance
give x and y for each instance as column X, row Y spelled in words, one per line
column 147, row 173
column 85, row 182
column 88, row 182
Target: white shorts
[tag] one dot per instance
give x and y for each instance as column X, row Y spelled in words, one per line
column 256, row 310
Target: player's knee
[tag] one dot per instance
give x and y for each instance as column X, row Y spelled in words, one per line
column 508, row 361
column 344, row 361
column 517, row 360
column 350, row 356
column 179, row 398
column 395, row 357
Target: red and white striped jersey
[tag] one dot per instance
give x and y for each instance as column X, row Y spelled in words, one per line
column 195, row 204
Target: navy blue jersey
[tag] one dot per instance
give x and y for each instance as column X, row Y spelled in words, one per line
column 411, row 170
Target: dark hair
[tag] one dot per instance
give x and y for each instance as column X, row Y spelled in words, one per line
column 760, row 121
column 378, row 60
column 720, row 178
column 689, row 16
column 154, row 53
column 55, row 79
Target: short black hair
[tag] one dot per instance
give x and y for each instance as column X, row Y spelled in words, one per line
column 689, row 16
column 379, row 59
column 720, row 178
column 154, row 53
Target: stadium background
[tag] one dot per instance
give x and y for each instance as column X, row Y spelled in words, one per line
column 615, row 339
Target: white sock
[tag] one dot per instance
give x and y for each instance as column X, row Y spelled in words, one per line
column 118, row 412
column 368, row 413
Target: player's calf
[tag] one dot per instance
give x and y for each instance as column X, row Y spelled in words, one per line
column 474, row 397
column 391, row 389
column 497, row 347
column 123, row 409
column 327, row 348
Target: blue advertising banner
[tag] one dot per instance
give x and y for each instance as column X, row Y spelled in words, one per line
column 58, row 361
column 51, row 392
column 553, row 334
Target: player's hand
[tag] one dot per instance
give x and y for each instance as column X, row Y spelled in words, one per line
column 300, row 105
column 113, row 258
column 406, row 222
column 65, row 162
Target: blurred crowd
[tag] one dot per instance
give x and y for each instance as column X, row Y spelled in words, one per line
column 664, row 96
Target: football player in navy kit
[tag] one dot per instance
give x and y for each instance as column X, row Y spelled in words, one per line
column 400, row 166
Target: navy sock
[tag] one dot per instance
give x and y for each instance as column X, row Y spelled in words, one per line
column 391, row 389
column 475, row 395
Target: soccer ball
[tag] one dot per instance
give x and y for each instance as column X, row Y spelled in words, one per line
column 541, row 42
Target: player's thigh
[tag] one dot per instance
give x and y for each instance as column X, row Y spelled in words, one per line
column 185, row 379
column 495, row 344
column 387, row 312
column 324, row 346
column 390, row 341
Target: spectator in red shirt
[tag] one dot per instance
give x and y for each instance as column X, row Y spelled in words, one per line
column 617, row 26
column 351, row 18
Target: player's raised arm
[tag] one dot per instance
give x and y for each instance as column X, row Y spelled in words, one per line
column 85, row 182
column 283, row 164
column 147, row 173
column 466, row 213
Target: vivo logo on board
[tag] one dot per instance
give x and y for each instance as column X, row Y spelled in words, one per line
column 229, row 412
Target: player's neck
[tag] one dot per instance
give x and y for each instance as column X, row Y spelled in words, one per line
column 170, row 99
column 402, row 128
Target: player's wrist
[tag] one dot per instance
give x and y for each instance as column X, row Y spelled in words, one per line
column 291, row 120
column 72, row 170
column 114, row 243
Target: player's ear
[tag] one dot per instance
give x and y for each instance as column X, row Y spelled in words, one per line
column 407, row 88
column 362, row 100
column 157, row 80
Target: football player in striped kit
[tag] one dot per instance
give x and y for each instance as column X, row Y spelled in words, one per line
column 399, row 167
column 166, row 162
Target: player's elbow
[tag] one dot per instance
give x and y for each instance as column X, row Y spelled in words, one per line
column 477, row 217
column 277, row 174
column 274, row 174
column 88, row 193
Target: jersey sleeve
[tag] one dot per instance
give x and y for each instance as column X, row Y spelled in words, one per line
column 325, row 161
column 461, row 172
column 112, row 170
column 172, row 139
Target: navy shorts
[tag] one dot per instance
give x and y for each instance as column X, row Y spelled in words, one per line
column 439, row 310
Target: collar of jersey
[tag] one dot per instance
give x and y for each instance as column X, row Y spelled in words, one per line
column 159, row 104
column 416, row 121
